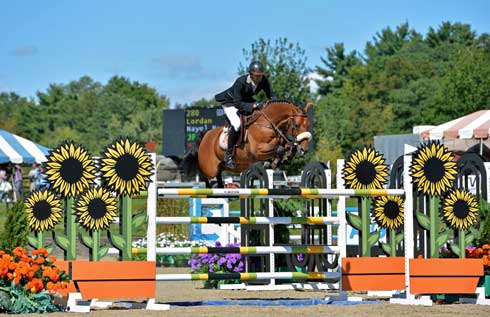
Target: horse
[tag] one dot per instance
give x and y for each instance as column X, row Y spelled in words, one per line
column 273, row 134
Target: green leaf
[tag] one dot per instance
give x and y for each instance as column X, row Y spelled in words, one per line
column 454, row 248
column 441, row 238
column 139, row 219
column 32, row 240
column 468, row 239
column 373, row 238
column 386, row 248
column 354, row 220
column 103, row 251
column 423, row 220
column 398, row 238
column 87, row 239
column 61, row 240
column 117, row 240
column 475, row 233
column 49, row 248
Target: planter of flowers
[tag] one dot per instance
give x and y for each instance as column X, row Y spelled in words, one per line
column 28, row 283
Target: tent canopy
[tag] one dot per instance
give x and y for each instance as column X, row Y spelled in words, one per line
column 475, row 125
column 17, row 150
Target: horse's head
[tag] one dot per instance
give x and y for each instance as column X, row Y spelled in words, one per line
column 300, row 127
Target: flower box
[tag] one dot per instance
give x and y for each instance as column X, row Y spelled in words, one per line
column 111, row 279
column 445, row 276
column 373, row 274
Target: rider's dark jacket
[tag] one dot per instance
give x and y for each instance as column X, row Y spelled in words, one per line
column 241, row 94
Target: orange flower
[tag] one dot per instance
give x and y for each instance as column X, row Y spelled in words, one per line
column 10, row 276
column 40, row 260
column 486, row 247
column 486, row 260
column 30, row 274
column 52, row 259
column 35, row 267
column 50, row 286
column 19, row 251
column 43, row 252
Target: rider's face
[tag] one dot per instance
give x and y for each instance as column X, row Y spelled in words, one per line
column 256, row 78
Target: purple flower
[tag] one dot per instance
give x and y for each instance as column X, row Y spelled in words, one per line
column 221, row 261
column 300, row 257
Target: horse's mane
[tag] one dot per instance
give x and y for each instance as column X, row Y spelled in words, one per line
column 271, row 102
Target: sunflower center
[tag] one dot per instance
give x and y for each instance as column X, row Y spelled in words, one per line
column 391, row 210
column 71, row 170
column 461, row 209
column 127, row 167
column 97, row 208
column 366, row 172
column 434, row 169
column 41, row 210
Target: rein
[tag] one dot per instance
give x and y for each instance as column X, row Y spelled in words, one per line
column 278, row 131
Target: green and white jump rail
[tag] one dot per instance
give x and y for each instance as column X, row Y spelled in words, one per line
column 303, row 249
column 275, row 192
column 249, row 276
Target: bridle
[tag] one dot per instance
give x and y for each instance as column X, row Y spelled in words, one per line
column 290, row 139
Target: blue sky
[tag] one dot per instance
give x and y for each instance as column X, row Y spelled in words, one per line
column 190, row 49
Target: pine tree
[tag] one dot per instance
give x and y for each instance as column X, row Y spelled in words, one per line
column 16, row 229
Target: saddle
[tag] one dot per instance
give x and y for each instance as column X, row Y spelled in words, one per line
column 246, row 121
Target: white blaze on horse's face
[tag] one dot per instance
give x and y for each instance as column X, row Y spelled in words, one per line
column 304, row 136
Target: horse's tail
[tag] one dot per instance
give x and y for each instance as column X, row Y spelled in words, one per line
column 190, row 162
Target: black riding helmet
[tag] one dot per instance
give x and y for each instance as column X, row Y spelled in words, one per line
column 256, row 68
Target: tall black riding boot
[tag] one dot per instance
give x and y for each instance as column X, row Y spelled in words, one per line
column 232, row 139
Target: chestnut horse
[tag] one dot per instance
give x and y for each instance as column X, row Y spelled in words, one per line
column 274, row 134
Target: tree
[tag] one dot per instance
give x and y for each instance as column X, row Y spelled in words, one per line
column 201, row 103
column 93, row 114
column 286, row 68
column 389, row 42
column 464, row 88
column 451, row 33
column 336, row 70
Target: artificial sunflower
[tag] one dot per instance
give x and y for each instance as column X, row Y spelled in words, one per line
column 126, row 167
column 70, row 169
column 96, row 209
column 43, row 210
column 389, row 211
column 365, row 169
column 433, row 169
column 460, row 209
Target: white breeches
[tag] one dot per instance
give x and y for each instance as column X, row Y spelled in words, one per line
column 232, row 115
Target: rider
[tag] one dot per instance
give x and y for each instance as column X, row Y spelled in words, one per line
column 238, row 99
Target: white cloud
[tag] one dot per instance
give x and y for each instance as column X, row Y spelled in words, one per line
column 24, row 51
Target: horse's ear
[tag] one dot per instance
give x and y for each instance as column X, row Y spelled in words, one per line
column 307, row 107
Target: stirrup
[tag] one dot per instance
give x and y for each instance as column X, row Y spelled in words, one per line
column 228, row 160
